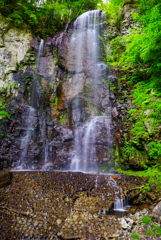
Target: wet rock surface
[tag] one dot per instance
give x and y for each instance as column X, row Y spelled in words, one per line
column 5, row 179
column 66, row 205
column 59, row 99
column 60, row 93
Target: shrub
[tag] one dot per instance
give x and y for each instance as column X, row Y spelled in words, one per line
column 45, row 18
column 4, row 114
column 146, row 220
column 157, row 228
column 135, row 236
column 149, row 232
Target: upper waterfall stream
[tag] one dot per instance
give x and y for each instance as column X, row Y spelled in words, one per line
column 86, row 41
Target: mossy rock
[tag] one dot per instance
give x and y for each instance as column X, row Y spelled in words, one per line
column 138, row 160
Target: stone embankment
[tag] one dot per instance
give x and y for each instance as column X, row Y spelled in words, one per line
column 65, row 205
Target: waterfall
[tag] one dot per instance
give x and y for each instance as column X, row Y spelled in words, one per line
column 30, row 117
column 120, row 204
column 43, row 134
column 33, row 99
column 82, row 90
column 86, row 41
column 23, row 161
column 89, row 140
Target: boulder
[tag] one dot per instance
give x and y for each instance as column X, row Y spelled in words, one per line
column 157, row 210
column 151, row 196
column 14, row 46
column 123, row 224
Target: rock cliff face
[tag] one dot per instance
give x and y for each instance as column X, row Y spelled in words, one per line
column 14, row 45
column 68, row 99
column 65, row 98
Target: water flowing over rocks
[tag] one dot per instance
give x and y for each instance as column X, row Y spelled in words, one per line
column 69, row 100
column 72, row 92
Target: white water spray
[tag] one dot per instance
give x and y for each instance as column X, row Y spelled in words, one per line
column 30, row 119
column 85, row 40
column 119, row 205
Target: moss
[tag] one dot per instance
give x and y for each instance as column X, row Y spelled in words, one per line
column 117, row 154
column 152, row 176
column 135, row 236
column 149, row 232
column 146, row 220
column 4, row 114
column 157, row 228
column 131, row 156
column 3, row 104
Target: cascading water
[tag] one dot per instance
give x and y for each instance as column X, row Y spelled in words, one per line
column 89, row 139
column 33, row 99
column 31, row 116
column 86, row 39
column 83, row 100
column 120, row 204
column 22, row 163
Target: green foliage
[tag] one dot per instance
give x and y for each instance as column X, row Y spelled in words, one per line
column 153, row 174
column 149, row 232
column 128, row 149
column 131, row 152
column 62, row 118
column 89, row 104
column 112, row 87
column 4, row 114
column 114, row 12
column 96, row 111
column 43, row 19
column 34, row 68
column 55, row 102
column 3, row 105
column 146, row 220
column 87, row 88
column 80, row 6
column 51, row 84
column 56, row 56
column 146, row 118
column 117, row 48
column 155, row 149
column 141, row 49
column 135, row 236
column 157, row 228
